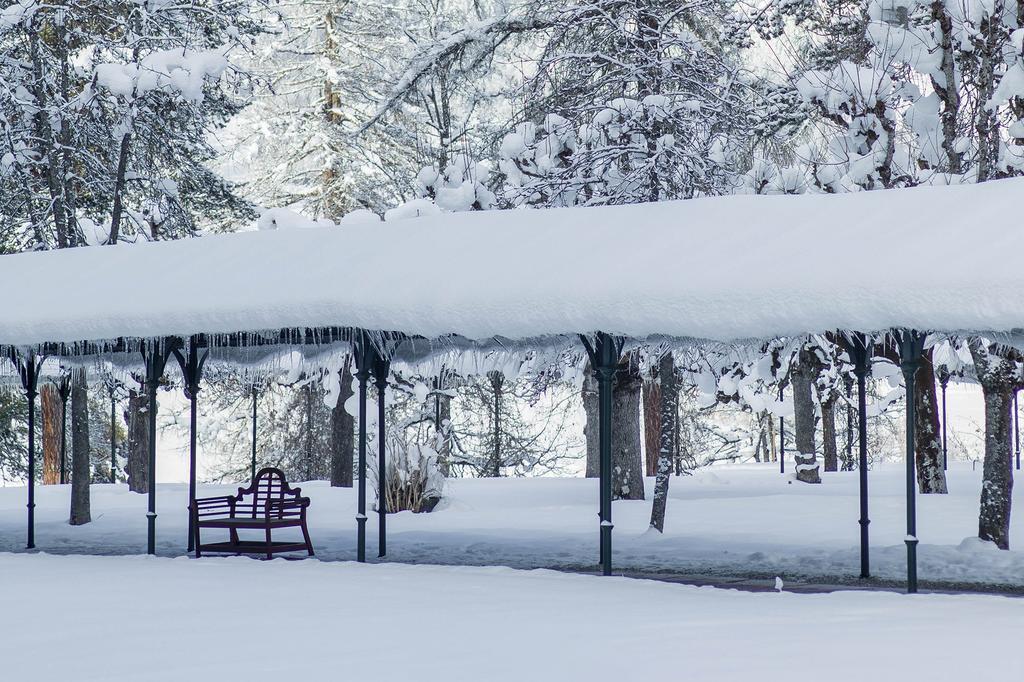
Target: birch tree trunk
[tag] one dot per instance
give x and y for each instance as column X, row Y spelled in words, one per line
column 52, row 414
column 999, row 377
column 342, row 431
column 802, row 378
column 627, row 466
column 137, row 445
column 667, row 434
column 81, row 476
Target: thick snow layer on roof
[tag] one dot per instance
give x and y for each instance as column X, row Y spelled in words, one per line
column 940, row 258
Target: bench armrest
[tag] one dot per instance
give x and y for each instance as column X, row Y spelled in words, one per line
column 290, row 506
column 214, row 505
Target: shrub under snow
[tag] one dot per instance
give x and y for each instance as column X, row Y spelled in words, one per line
column 413, row 480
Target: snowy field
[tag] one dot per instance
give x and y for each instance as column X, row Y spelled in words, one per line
column 144, row 618
column 743, row 520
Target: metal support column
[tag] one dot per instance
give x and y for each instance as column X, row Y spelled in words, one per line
column 605, row 351
column 113, row 432
column 381, row 370
column 252, row 463
column 858, row 346
column 64, row 391
column 911, row 346
column 192, row 371
column 364, row 352
column 155, row 358
column 28, row 369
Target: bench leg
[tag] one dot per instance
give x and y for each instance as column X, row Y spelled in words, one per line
column 305, row 534
column 234, row 536
column 270, row 553
column 199, row 544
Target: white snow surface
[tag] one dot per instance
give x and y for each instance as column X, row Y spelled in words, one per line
column 730, row 268
column 726, row 520
column 158, row 619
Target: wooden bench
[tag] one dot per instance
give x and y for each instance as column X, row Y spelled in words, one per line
column 267, row 504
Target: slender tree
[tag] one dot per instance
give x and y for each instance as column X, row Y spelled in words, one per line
column 342, row 430
column 52, row 416
column 1001, row 373
column 81, row 449
column 627, row 467
column 668, row 434
column 802, row 376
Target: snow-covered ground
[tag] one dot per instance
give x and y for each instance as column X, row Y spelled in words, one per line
column 152, row 619
column 141, row 618
column 727, row 520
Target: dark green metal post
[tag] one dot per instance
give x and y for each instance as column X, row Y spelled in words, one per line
column 28, row 369
column 113, row 434
column 252, row 464
column 155, row 361
column 859, row 348
column 64, row 391
column 191, row 466
column 381, row 369
column 604, row 355
column 192, row 371
column 911, row 344
column 362, row 351
column 31, row 394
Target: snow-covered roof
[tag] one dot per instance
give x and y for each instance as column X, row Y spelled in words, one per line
column 741, row 267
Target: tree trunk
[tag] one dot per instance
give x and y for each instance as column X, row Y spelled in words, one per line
column 802, row 378
column 307, row 393
column 137, row 445
column 851, row 425
column 52, row 414
column 652, row 423
column 667, row 433
column 828, row 434
column 342, row 431
column 627, row 466
column 994, row 515
column 931, row 477
column 81, row 475
column 442, row 426
column 945, row 87
column 761, row 446
column 497, row 380
column 999, row 378
column 590, row 427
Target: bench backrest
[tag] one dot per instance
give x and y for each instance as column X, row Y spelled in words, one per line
column 268, row 487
